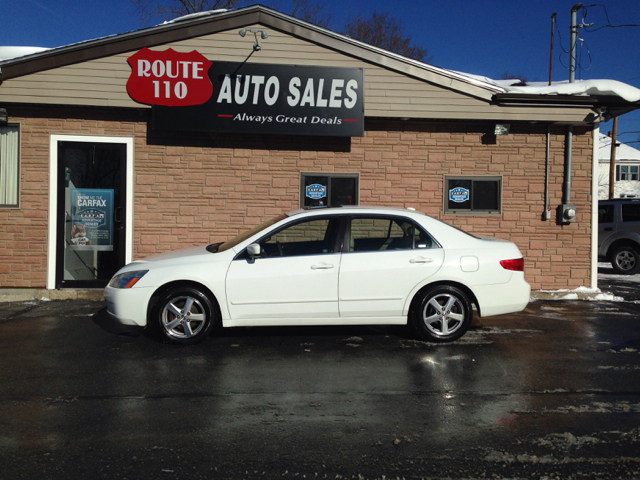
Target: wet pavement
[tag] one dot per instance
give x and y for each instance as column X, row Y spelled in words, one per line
column 552, row 392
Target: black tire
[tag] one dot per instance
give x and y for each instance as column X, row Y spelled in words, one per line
column 184, row 315
column 625, row 260
column 442, row 314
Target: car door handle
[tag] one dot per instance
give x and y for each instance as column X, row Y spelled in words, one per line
column 610, row 229
column 321, row 266
column 421, row 260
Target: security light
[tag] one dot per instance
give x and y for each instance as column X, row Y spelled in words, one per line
column 502, row 129
column 263, row 35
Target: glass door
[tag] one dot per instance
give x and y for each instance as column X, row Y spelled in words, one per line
column 91, row 213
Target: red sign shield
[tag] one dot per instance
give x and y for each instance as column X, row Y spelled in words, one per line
column 169, row 78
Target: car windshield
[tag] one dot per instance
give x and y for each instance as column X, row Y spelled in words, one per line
column 221, row 247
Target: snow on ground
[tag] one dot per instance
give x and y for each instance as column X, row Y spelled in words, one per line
column 580, row 293
column 605, row 275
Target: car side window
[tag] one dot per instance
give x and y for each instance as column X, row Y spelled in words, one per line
column 312, row 237
column 370, row 234
column 605, row 213
column 631, row 212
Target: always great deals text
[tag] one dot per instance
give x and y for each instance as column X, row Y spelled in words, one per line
column 261, row 119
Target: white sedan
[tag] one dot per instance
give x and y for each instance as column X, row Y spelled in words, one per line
column 330, row 266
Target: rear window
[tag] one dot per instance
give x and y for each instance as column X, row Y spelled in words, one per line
column 631, row 212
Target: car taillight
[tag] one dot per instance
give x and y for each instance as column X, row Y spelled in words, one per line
column 516, row 264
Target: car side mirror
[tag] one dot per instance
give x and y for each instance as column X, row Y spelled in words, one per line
column 254, row 250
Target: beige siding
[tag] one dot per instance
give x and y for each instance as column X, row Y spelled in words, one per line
column 102, row 82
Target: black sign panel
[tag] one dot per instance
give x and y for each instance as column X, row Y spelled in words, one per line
column 273, row 99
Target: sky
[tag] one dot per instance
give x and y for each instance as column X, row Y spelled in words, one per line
column 482, row 37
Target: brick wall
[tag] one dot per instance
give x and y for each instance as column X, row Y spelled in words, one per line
column 203, row 188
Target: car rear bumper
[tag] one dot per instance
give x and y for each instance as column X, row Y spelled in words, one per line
column 510, row 297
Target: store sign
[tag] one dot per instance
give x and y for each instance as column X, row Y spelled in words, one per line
column 169, row 78
column 459, row 195
column 190, row 94
column 316, row 191
column 91, row 219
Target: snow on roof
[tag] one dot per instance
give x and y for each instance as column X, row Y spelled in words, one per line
column 580, row 87
column 8, row 52
column 595, row 87
column 192, row 16
column 624, row 151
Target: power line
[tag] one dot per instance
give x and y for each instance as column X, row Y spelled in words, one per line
column 581, row 40
column 606, row 14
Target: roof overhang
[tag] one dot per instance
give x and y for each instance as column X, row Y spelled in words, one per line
column 603, row 107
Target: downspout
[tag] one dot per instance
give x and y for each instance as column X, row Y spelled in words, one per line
column 594, row 207
column 546, row 215
column 566, row 188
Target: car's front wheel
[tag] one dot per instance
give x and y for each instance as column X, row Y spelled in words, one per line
column 184, row 315
column 625, row 260
column 442, row 314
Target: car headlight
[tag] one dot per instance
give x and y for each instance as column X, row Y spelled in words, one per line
column 127, row 279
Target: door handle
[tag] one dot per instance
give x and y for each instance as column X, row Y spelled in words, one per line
column 609, row 229
column 421, row 260
column 321, row 266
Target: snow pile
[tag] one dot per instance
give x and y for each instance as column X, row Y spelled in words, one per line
column 579, row 293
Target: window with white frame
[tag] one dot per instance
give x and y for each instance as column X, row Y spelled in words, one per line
column 9, row 166
column 627, row 172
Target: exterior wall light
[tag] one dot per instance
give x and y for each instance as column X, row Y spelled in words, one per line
column 263, row 35
column 501, row 129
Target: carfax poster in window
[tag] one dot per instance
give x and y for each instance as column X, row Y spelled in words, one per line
column 91, row 219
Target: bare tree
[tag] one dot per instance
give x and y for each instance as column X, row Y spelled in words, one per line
column 155, row 11
column 312, row 12
column 507, row 75
column 384, row 31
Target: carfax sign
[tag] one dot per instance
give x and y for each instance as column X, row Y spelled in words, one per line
column 91, row 219
column 459, row 195
column 316, row 191
column 190, row 93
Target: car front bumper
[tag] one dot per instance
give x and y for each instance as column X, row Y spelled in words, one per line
column 128, row 306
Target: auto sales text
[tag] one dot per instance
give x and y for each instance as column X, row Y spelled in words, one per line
column 250, row 87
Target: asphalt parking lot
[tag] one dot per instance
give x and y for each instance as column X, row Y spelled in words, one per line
column 552, row 392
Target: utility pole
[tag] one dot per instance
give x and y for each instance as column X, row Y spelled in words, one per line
column 572, row 47
column 567, row 211
column 553, row 24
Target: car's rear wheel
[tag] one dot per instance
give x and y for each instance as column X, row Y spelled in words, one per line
column 442, row 314
column 625, row 260
column 184, row 315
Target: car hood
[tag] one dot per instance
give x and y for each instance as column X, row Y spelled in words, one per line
column 184, row 255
